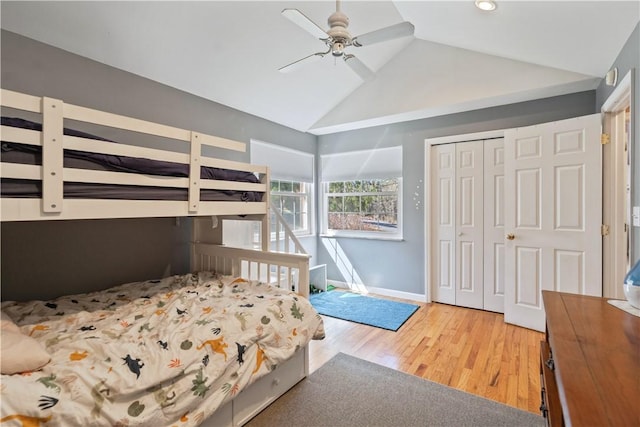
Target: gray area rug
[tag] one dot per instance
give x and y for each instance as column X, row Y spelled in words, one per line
column 347, row 391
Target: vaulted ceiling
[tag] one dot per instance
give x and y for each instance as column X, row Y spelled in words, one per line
column 460, row 58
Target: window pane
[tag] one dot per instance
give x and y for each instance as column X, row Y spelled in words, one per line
column 336, row 204
column 353, row 187
column 388, row 205
column 288, row 204
column 352, row 204
column 336, row 187
column 367, row 204
column 296, row 214
column 370, row 222
column 337, row 221
column 286, row 186
column 353, row 221
column 389, row 185
column 290, row 199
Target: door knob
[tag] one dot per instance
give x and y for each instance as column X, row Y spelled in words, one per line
column 511, row 236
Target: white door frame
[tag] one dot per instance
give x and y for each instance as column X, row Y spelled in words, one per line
column 614, row 250
column 499, row 133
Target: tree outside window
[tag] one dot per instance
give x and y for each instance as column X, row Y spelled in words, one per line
column 367, row 206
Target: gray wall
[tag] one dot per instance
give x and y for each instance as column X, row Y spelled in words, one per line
column 628, row 60
column 114, row 251
column 399, row 266
column 43, row 260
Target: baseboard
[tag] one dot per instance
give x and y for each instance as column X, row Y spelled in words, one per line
column 379, row 291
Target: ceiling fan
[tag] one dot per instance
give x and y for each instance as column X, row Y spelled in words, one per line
column 337, row 39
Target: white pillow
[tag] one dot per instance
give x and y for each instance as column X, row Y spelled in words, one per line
column 18, row 352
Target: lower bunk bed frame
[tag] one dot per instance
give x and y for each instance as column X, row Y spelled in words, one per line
column 281, row 270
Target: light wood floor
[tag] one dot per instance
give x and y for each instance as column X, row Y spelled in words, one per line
column 471, row 350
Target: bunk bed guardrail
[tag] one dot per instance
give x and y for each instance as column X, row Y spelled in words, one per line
column 53, row 174
column 280, row 269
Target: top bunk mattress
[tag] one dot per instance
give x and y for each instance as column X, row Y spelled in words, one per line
column 12, row 152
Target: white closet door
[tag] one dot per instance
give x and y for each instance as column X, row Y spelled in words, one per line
column 494, row 225
column 553, row 210
column 443, row 167
column 469, row 224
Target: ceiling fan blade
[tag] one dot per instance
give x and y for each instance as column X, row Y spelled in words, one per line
column 300, row 62
column 298, row 18
column 358, row 67
column 402, row 29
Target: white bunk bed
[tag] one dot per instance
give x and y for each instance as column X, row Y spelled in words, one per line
column 54, row 175
column 290, row 272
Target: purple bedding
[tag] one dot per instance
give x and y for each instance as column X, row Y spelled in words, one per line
column 27, row 154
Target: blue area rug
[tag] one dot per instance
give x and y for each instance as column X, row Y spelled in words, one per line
column 381, row 313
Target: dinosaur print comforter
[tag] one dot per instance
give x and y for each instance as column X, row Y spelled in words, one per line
column 158, row 353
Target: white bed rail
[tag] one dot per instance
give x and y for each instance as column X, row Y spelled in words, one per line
column 53, row 174
column 284, row 270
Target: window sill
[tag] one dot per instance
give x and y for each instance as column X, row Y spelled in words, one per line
column 351, row 236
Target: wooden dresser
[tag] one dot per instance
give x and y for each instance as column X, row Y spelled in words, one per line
column 589, row 363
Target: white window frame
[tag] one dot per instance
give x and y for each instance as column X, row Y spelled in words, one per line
column 309, row 229
column 378, row 163
column 378, row 235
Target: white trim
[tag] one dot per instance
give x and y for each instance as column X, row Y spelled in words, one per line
column 499, row 133
column 619, row 94
column 427, row 222
column 345, row 235
column 381, row 291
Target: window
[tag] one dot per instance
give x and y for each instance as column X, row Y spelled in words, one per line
column 292, row 174
column 293, row 201
column 361, row 193
column 370, row 205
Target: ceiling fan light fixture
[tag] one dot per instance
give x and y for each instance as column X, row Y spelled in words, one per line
column 486, row 5
column 337, row 49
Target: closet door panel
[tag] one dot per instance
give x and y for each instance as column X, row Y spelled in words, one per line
column 494, row 225
column 469, row 224
column 443, row 256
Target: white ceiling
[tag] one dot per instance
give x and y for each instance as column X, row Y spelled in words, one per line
column 460, row 59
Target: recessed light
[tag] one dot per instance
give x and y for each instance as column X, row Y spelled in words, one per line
column 487, row 5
